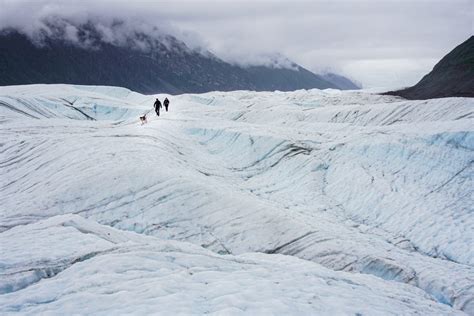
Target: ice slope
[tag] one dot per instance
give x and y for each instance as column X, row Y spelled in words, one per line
column 353, row 181
column 95, row 269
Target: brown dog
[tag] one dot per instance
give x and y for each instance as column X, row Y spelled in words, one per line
column 143, row 119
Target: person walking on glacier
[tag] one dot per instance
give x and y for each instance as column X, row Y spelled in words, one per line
column 158, row 106
column 166, row 103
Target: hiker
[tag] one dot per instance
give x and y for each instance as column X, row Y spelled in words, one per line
column 166, row 103
column 157, row 107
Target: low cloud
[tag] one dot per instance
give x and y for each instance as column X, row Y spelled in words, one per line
column 378, row 42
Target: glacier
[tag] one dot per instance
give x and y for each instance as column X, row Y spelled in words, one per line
column 312, row 201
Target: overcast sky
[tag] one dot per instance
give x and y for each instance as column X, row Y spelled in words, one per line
column 380, row 43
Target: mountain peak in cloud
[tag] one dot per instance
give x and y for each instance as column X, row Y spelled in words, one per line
column 134, row 60
column 91, row 34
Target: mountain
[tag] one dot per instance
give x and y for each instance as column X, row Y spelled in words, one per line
column 144, row 64
column 452, row 76
column 341, row 82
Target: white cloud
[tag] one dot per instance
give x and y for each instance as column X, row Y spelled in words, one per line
column 384, row 42
column 397, row 73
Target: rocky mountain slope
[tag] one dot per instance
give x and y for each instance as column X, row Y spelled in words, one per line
column 143, row 63
column 341, row 82
column 453, row 76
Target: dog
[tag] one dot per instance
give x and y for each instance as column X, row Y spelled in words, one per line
column 143, row 119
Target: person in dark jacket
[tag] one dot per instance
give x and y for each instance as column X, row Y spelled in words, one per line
column 158, row 106
column 166, row 103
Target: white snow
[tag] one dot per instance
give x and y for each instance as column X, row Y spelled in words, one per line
column 372, row 185
column 94, row 269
